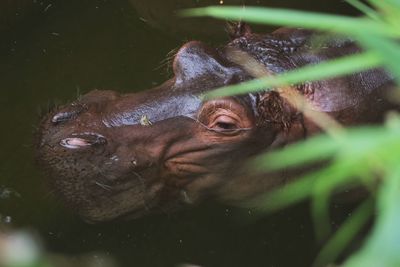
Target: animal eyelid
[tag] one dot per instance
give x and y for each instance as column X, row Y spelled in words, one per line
column 228, row 131
column 221, row 130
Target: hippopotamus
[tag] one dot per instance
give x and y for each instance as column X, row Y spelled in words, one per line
column 121, row 156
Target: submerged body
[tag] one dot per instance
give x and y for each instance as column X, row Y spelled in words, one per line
column 112, row 155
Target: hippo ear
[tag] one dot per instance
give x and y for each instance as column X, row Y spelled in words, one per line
column 237, row 29
column 273, row 108
column 195, row 59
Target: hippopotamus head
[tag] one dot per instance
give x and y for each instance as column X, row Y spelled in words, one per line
column 112, row 155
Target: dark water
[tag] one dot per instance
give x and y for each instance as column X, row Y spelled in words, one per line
column 74, row 46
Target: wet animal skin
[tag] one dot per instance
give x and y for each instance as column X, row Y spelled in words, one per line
column 112, row 155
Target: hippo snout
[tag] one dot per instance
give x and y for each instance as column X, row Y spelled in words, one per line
column 77, row 139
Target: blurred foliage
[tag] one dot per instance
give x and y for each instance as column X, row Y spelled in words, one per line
column 23, row 248
column 362, row 156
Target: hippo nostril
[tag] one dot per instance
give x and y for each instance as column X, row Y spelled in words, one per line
column 83, row 140
column 69, row 113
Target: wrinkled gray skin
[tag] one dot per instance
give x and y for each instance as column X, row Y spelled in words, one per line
column 112, row 155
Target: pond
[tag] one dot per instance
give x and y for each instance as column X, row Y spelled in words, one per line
column 71, row 47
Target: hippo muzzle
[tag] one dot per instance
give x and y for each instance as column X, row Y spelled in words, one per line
column 112, row 155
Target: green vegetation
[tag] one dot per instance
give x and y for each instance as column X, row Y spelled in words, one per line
column 362, row 156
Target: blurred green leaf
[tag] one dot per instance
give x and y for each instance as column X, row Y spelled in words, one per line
column 294, row 18
column 365, row 9
column 318, row 148
column 309, row 73
column 347, row 163
column 287, row 195
column 320, row 211
column 390, row 10
column 359, row 156
column 345, row 234
column 354, row 146
column 387, row 49
column 331, row 177
column 386, row 6
column 383, row 245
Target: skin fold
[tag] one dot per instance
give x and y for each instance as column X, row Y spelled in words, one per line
column 112, row 155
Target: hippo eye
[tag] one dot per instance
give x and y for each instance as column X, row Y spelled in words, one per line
column 227, row 116
column 224, row 123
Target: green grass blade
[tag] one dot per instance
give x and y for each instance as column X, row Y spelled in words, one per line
column 287, row 195
column 368, row 11
column 294, row 18
column 343, row 175
column 328, row 69
column 390, row 10
column 386, row 48
column 320, row 212
column 345, row 234
column 367, row 152
column 317, row 148
column 387, row 6
column 331, row 177
column 383, row 246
